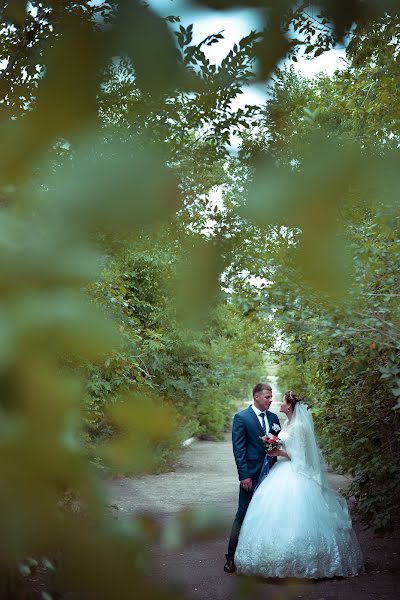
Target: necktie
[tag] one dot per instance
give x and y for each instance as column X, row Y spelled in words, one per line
column 262, row 415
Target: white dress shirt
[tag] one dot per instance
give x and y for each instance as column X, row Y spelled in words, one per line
column 258, row 413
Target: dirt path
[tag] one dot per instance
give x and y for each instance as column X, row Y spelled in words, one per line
column 206, row 475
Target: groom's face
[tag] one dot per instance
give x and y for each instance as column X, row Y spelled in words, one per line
column 263, row 399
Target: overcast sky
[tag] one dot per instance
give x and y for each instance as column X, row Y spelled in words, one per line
column 235, row 24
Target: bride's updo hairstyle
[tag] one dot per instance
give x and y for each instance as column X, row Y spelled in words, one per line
column 292, row 399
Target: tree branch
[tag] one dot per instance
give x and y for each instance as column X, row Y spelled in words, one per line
column 320, row 26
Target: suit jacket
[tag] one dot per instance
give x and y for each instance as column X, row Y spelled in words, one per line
column 248, row 448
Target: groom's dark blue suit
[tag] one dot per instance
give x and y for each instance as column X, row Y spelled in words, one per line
column 249, row 453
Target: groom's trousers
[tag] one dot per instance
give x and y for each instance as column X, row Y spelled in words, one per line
column 244, row 501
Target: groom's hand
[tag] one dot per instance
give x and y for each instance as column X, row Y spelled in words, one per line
column 246, row 484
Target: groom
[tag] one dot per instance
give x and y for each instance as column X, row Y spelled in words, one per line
column 248, row 427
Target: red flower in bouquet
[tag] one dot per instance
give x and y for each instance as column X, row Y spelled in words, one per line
column 271, row 442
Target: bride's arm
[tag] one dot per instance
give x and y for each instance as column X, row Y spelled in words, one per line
column 296, row 446
column 278, row 453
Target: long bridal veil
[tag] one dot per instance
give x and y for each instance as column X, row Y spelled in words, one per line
column 307, row 460
column 303, row 448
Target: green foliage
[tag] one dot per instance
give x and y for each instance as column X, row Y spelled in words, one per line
column 88, row 159
column 200, row 372
column 291, row 376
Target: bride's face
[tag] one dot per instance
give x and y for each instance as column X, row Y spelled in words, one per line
column 286, row 408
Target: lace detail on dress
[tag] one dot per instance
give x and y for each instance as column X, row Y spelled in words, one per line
column 320, row 555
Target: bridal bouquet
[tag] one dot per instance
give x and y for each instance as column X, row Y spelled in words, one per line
column 271, row 441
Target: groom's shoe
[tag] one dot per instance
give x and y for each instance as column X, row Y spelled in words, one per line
column 229, row 566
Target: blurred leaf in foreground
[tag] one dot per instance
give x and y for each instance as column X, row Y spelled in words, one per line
column 308, row 198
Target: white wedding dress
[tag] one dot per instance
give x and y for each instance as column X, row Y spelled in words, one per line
column 296, row 524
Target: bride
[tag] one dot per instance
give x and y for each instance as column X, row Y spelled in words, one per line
column 296, row 524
